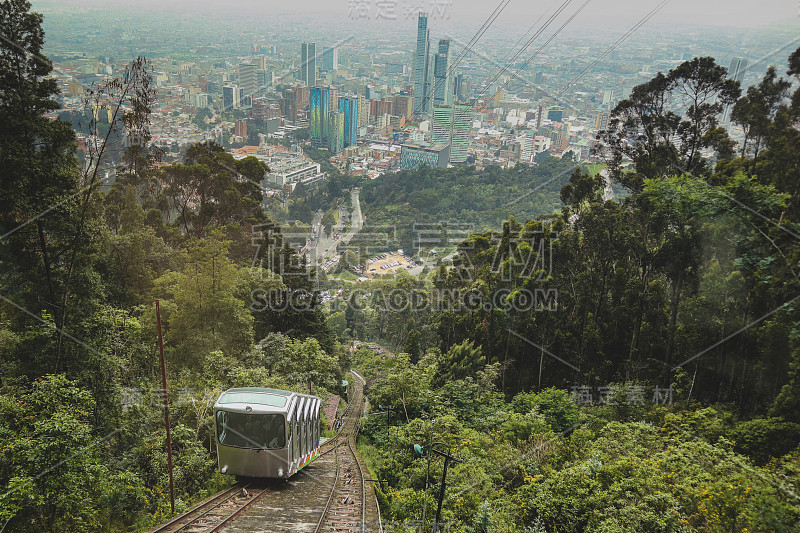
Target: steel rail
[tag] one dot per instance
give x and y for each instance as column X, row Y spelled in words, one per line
column 330, row 497
column 238, row 511
column 225, row 495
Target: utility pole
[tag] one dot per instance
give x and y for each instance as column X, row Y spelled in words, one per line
column 427, row 475
column 447, row 458
column 166, row 409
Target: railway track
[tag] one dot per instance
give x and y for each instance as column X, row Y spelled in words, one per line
column 346, row 508
column 329, row 495
column 216, row 512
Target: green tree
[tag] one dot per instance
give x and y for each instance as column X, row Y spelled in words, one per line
column 662, row 138
column 55, row 477
column 461, row 361
column 756, row 111
column 206, row 305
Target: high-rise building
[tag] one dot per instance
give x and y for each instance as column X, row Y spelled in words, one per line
column 302, row 97
column 422, row 66
column 308, row 63
column 497, row 96
column 460, row 86
column 528, row 147
column 264, row 110
column 451, row 125
column 200, row 100
column 380, row 107
column 403, row 106
column 413, row 156
column 240, row 128
column 442, row 91
column 319, row 100
column 383, row 124
column 264, row 80
column 601, row 122
column 334, row 132
column 333, row 103
column 213, row 87
column 230, row 97
column 330, row 58
column 289, row 104
column 348, row 105
column 248, row 79
column 363, row 111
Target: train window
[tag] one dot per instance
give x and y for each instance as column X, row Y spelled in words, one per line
column 243, row 430
column 289, row 436
column 296, row 439
column 299, row 447
column 305, row 435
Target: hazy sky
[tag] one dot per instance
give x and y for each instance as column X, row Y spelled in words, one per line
column 741, row 13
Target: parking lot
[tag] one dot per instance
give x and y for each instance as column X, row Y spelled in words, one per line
column 385, row 264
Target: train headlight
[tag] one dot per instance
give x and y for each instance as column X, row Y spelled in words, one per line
column 280, row 472
column 224, row 469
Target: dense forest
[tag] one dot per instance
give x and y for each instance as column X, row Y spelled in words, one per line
column 599, row 365
column 461, row 196
column 82, row 438
column 666, row 320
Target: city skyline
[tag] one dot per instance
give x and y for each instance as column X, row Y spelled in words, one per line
column 737, row 13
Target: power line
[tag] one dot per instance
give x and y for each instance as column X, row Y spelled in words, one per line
column 503, row 60
column 525, row 47
column 618, row 42
column 475, row 38
column 548, row 41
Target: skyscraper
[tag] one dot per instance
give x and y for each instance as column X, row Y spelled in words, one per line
column 248, row 79
column 330, row 58
column 264, row 80
column 421, row 66
column 451, row 125
column 442, row 91
column 308, row 63
column 363, row 111
column 319, row 100
column 335, row 132
column 303, row 61
column 459, row 88
column 348, row 105
column 230, row 97
column 333, row 99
